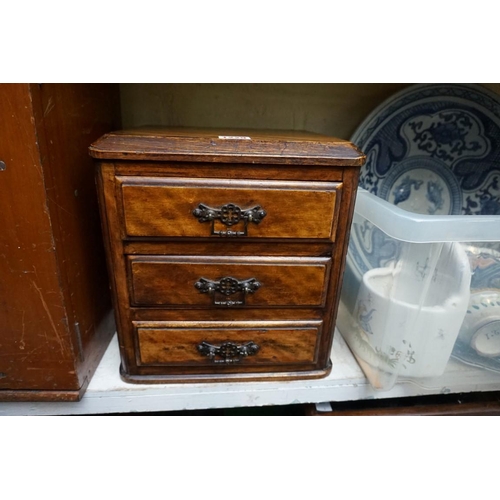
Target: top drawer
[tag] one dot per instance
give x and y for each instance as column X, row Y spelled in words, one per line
column 176, row 208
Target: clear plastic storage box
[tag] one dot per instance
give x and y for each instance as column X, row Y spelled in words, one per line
column 419, row 289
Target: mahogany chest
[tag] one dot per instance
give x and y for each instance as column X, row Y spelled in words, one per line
column 226, row 250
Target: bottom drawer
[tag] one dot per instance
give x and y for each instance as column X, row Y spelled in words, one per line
column 208, row 343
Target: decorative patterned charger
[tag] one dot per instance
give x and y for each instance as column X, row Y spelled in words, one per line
column 434, row 149
column 431, row 149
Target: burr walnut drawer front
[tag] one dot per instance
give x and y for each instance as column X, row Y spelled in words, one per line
column 227, row 343
column 198, row 281
column 180, row 208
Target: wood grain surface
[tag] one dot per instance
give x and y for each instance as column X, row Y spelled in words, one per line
column 158, row 207
column 237, row 171
column 68, row 118
column 170, row 281
column 54, row 299
column 37, row 352
column 177, row 344
column 227, row 145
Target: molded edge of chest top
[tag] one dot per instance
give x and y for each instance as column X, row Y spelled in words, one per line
column 222, row 145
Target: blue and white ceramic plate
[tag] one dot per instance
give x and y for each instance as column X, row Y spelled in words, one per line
column 431, row 149
column 478, row 342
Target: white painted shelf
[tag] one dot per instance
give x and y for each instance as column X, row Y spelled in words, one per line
column 107, row 393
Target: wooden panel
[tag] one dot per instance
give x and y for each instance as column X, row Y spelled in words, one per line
column 339, row 251
column 234, row 246
column 230, row 171
column 164, row 208
column 53, row 291
column 223, row 314
column 69, row 117
column 170, row 281
column 227, row 145
column 35, row 348
column 106, row 184
column 177, row 343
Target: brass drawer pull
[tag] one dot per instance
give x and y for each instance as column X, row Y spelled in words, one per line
column 230, row 215
column 229, row 352
column 227, row 286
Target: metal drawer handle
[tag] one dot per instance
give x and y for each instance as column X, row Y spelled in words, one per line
column 229, row 215
column 227, row 286
column 229, row 352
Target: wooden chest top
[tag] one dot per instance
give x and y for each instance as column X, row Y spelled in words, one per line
column 226, row 146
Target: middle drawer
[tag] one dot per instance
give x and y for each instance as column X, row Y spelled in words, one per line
column 201, row 281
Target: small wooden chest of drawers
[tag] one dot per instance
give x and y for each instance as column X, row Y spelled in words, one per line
column 226, row 250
